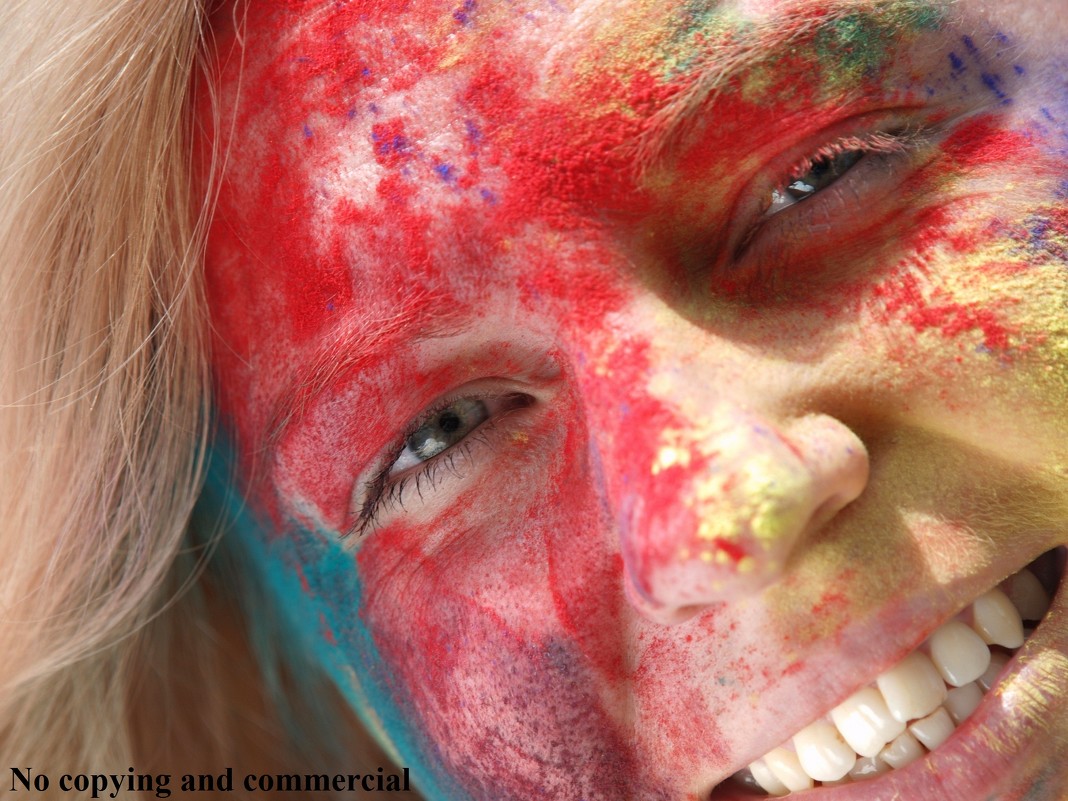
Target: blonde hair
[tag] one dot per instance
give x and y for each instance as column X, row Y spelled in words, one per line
column 104, row 394
column 117, row 652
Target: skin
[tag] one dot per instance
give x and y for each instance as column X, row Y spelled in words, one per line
column 758, row 459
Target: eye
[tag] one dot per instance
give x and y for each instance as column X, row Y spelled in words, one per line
column 823, row 172
column 440, row 432
column 803, row 225
column 440, row 447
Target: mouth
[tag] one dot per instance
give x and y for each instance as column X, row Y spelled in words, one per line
column 944, row 702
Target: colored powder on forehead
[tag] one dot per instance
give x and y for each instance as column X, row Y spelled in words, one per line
column 582, row 160
column 856, row 46
column 850, row 42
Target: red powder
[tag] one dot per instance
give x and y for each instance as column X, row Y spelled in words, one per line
column 391, row 145
column 732, row 549
column 902, row 296
column 578, row 161
column 980, row 141
column 327, row 632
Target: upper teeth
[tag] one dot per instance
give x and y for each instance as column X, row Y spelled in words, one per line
column 910, row 708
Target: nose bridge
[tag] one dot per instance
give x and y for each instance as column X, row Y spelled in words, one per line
column 724, row 489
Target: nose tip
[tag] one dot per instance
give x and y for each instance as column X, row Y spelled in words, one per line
column 723, row 515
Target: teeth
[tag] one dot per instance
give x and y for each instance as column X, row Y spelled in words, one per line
column 1028, row 595
column 962, row 701
column 934, row 729
column 787, row 769
column 767, row 779
column 990, row 677
column 865, row 722
column 912, row 689
column 997, row 620
column 959, row 653
column 910, row 711
column 903, row 750
column 823, row 753
column 867, row 767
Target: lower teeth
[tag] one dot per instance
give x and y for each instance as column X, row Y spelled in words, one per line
column 913, row 707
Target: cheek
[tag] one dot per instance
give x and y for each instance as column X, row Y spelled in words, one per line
column 971, row 299
column 507, row 639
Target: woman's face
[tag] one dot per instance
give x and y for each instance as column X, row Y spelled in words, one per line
column 626, row 384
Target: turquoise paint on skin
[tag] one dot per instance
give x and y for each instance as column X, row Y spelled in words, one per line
column 313, row 593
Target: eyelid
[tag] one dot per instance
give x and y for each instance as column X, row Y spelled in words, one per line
column 365, row 509
column 874, row 143
column 746, row 210
column 781, row 254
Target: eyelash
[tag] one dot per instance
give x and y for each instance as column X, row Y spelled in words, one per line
column 382, row 491
column 892, row 146
column 884, row 142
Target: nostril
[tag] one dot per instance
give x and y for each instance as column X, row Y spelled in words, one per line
column 666, row 614
column 828, row 510
column 727, row 529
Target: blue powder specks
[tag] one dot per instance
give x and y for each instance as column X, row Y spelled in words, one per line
column 1046, row 113
column 351, row 114
column 1062, row 190
column 1018, row 69
column 956, row 62
column 307, row 131
column 488, row 196
column 993, row 83
column 392, row 144
column 969, row 45
column 463, row 14
column 330, row 306
column 474, row 133
column 446, row 172
column 373, row 108
column 1001, row 37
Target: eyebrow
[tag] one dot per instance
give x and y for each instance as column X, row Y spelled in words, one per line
column 357, row 343
column 764, row 42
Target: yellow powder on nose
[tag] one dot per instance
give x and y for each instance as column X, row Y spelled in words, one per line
column 761, row 497
column 670, row 456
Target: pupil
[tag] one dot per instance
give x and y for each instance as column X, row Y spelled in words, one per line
column 449, row 422
column 820, row 168
column 823, row 172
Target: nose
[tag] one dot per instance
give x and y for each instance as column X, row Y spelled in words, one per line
column 722, row 510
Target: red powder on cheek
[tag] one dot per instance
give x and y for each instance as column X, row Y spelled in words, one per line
column 902, row 297
column 391, row 145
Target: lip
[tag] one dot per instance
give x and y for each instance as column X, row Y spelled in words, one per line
column 987, row 755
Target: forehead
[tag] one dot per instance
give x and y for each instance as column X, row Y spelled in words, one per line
column 335, row 113
column 387, row 164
